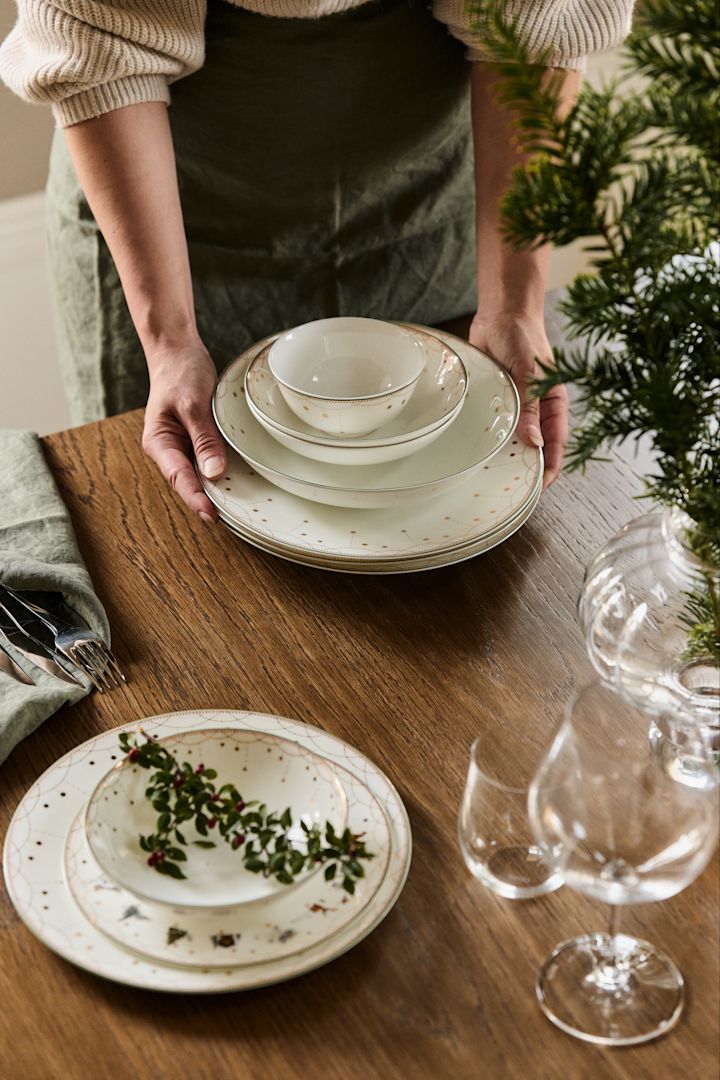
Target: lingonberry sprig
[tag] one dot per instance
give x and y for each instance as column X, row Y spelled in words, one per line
column 181, row 793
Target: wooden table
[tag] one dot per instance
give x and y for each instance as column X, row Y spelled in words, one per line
column 408, row 669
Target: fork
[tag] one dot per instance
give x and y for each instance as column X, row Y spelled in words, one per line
column 82, row 646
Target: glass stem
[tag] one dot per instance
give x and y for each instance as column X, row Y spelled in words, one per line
column 613, row 924
column 612, row 971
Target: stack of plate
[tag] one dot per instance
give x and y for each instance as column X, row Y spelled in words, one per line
column 443, row 481
column 78, row 878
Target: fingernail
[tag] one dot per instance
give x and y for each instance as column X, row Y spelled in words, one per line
column 206, row 517
column 535, row 436
column 212, row 467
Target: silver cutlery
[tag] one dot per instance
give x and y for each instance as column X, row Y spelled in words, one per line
column 31, row 648
column 13, row 670
column 82, row 646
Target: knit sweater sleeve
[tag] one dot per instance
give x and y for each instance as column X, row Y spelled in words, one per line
column 88, row 57
column 568, row 30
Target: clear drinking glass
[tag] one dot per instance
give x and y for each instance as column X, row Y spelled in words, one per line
column 620, row 828
column 495, row 836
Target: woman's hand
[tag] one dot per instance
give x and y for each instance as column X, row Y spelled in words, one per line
column 179, row 420
column 515, row 341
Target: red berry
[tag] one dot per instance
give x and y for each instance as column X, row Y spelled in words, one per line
column 238, row 839
column 215, row 797
column 240, row 806
column 200, row 770
column 178, row 781
column 156, row 857
column 134, row 754
column 212, row 822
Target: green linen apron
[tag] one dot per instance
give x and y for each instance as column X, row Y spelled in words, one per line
column 325, row 168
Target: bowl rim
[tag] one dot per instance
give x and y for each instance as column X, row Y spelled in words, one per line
column 349, row 442
column 355, row 399
column 190, row 904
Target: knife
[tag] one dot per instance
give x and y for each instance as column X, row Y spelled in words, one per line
column 9, row 667
column 32, row 648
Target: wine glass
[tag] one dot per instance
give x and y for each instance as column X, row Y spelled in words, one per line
column 620, row 828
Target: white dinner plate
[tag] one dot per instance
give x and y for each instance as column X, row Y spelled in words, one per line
column 484, row 426
column 401, row 566
column 35, row 843
column 479, row 506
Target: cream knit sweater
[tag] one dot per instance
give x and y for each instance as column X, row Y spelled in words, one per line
column 87, row 57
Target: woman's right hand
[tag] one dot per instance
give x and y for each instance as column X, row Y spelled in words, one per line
column 179, row 421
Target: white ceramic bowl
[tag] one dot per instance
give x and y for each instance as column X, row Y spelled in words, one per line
column 274, row 770
column 437, row 398
column 347, row 376
column 348, row 455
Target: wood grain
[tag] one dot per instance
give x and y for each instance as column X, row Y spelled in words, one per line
column 408, row 669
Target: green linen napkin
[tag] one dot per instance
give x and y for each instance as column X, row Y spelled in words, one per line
column 38, row 551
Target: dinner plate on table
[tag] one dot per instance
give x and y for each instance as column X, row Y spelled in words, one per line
column 483, row 428
column 38, row 875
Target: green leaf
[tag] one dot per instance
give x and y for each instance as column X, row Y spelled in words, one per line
column 297, row 861
column 204, row 844
column 284, row 878
column 254, row 865
column 164, row 822
column 210, row 774
column 286, row 818
column 349, row 885
column 169, row 869
column 201, row 824
column 330, row 871
column 177, row 853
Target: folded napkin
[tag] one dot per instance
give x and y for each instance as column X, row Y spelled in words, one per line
column 38, row 551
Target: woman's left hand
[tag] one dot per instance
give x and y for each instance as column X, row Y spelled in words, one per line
column 515, row 341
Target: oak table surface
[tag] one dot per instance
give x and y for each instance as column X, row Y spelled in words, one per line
column 408, row 669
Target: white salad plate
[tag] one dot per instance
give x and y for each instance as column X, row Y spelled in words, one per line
column 398, row 566
column 34, row 856
column 483, row 427
column 292, row 922
column 279, row 772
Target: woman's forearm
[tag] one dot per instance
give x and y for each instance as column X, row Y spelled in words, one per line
column 509, row 281
column 126, row 166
